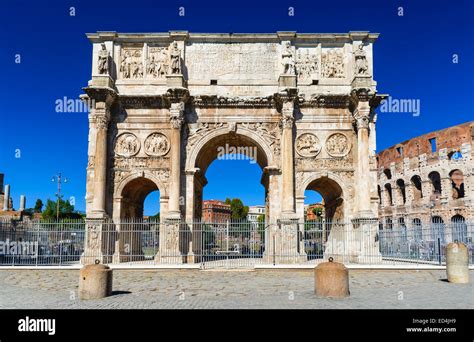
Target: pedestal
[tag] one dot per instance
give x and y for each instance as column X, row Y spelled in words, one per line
column 287, row 81
column 102, row 81
column 175, row 81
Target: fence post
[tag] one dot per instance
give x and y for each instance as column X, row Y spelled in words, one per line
column 274, row 251
column 439, row 251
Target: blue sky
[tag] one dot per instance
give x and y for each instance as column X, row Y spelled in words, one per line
column 413, row 59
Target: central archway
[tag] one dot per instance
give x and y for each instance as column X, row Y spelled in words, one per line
column 223, row 141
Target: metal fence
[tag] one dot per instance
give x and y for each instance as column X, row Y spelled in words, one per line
column 229, row 244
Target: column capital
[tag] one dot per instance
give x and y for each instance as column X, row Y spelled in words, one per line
column 101, row 121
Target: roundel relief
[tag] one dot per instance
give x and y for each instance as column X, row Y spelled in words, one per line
column 307, row 145
column 127, row 145
column 157, row 144
column 337, row 145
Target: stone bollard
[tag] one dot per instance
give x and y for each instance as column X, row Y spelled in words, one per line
column 331, row 279
column 457, row 263
column 95, row 281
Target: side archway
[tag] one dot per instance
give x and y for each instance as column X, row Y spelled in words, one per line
column 330, row 186
column 131, row 191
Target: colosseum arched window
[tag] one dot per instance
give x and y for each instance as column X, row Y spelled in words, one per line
column 457, row 181
column 417, row 190
column 459, row 228
column 403, row 228
column 437, row 229
column 435, row 180
column 401, row 188
column 388, row 173
column 417, row 229
column 379, row 191
column 388, row 194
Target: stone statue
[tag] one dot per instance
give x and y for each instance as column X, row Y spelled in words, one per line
column 288, row 60
column 361, row 65
column 175, row 59
column 103, row 65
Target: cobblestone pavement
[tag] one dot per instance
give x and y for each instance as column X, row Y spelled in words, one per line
column 194, row 289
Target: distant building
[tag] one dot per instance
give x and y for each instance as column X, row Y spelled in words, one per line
column 215, row 211
column 254, row 212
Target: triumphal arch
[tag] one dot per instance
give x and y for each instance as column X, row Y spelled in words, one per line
column 163, row 103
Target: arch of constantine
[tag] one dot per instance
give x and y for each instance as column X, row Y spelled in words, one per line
column 163, row 103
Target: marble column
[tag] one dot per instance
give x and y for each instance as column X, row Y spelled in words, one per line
column 22, row 202
column 101, row 120
column 361, row 115
column 6, row 197
column 287, row 168
column 176, row 119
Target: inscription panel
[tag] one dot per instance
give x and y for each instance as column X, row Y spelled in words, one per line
column 232, row 61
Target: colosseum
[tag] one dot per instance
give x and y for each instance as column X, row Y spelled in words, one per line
column 428, row 181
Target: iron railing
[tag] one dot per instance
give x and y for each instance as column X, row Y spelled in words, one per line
column 225, row 244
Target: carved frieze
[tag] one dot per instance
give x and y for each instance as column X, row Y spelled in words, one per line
column 140, row 163
column 156, row 144
column 270, row 132
column 162, row 175
column 308, row 145
column 307, row 66
column 202, row 128
column 157, row 64
column 127, row 145
column 337, row 145
column 332, row 62
column 131, row 64
column 310, row 164
column 222, row 101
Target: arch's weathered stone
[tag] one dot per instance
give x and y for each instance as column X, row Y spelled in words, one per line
column 169, row 101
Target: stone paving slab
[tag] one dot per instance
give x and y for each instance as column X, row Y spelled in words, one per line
column 193, row 289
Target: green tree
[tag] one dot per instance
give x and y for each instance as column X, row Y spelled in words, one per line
column 239, row 210
column 155, row 217
column 38, row 206
column 66, row 210
column 318, row 211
